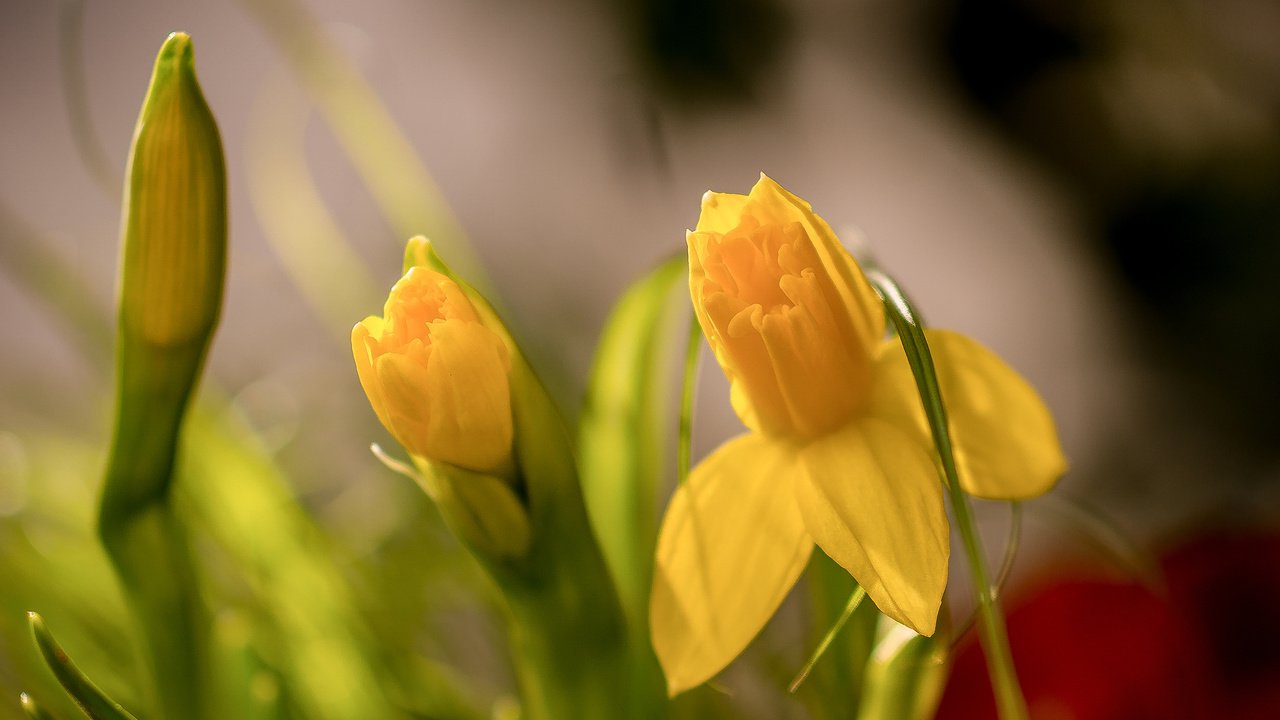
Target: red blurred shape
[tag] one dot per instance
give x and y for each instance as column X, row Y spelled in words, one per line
column 1208, row 646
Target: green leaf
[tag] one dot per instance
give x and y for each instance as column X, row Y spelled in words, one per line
column 87, row 695
column 995, row 642
column 623, row 439
column 292, row 213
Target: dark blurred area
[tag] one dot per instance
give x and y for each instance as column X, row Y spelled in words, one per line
column 1160, row 119
column 705, row 52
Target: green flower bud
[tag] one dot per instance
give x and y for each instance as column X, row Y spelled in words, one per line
column 175, row 220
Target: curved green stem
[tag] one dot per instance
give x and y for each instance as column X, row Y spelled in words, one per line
column 995, row 641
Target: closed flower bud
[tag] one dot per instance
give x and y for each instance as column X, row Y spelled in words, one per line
column 175, row 223
column 436, row 376
column 173, row 260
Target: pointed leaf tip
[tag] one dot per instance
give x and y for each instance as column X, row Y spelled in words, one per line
column 31, row 709
column 81, row 689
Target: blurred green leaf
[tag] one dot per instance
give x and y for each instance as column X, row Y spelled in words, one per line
column 623, row 432
column 235, row 492
column 688, row 389
column 905, row 676
column 87, row 695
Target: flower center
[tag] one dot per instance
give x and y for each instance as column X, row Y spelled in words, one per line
column 419, row 300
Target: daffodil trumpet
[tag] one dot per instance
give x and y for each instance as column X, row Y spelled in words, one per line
column 838, row 451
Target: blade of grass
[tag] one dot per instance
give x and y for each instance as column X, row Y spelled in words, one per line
column 905, row 676
column 855, row 599
column 87, row 695
column 995, row 642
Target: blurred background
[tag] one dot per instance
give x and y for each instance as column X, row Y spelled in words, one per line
column 1091, row 189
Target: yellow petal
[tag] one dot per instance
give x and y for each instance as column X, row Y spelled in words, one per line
column 1005, row 443
column 404, row 386
column 871, row 499
column 731, row 546
column 721, row 212
column 470, row 396
column 364, row 336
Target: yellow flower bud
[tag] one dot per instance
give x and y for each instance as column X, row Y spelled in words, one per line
column 436, row 376
column 791, row 319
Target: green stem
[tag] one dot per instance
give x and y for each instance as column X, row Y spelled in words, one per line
column 144, row 539
column 995, row 641
column 565, row 624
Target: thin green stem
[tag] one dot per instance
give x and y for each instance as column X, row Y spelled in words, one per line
column 1002, row 575
column 855, row 599
column 995, row 641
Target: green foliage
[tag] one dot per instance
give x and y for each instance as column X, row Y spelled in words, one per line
column 91, row 700
column 624, row 431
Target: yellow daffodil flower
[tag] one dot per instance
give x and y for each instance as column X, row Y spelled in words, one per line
column 436, row 376
column 838, row 454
